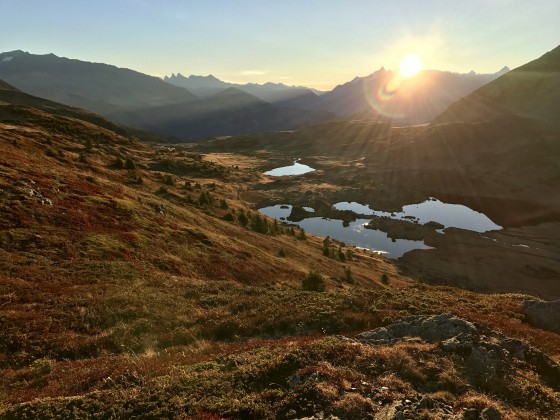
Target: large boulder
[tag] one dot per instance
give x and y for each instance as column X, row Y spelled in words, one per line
column 544, row 315
column 486, row 353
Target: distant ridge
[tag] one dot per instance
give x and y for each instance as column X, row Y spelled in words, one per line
column 274, row 93
column 98, row 87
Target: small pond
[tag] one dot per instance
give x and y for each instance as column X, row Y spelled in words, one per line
column 295, row 169
column 353, row 234
column 449, row 215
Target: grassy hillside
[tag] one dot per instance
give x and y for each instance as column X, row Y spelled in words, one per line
column 531, row 90
column 134, row 281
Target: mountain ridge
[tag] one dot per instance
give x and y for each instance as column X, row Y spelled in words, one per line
column 514, row 93
column 95, row 86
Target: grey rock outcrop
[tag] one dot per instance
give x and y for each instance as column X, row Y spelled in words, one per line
column 544, row 315
column 486, row 353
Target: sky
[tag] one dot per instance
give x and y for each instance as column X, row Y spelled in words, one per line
column 314, row 43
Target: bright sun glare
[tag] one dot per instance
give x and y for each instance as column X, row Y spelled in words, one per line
column 410, row 65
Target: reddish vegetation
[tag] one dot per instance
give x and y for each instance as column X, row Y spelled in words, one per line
column 118, row 289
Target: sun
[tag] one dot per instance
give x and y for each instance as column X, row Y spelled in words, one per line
column 410, row 65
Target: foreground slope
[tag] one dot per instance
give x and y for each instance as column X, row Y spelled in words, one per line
column 131, row 285
column 531, row 90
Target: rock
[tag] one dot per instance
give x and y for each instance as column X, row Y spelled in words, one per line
column 159, row 208
column 486, row 352
column 491, row 413
column 484, row 362
column 429, row 328
column 544, row 315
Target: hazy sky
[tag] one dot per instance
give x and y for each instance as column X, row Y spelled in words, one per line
column 318, row 43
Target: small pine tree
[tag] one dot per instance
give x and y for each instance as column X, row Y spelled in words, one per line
column 385, row 278
column 223, row 204
column 242, row 219
column 302, row 236
column 118, row 164
column 228, row 217
column 341, row 255
column 327, row 246
column 313, row 282
column 258, row 224
column 282, row 253
column 169, row 180
column 129, row 164
column 348, row 278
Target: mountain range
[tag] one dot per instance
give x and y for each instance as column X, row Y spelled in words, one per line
column 199, row 107
column 387, row 96
column 274, row 93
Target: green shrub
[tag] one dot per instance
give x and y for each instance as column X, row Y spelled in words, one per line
column 314, row 282
column 169, row 180
column 348, row 278
column 282, row 253
column 341, row 255
column 129, row 164
column 228, row 217
column 118, row 164
column 243, row 220
column 385, row 278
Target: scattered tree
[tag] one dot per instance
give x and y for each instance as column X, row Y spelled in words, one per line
column 242, row 219
column 129, row 164
column 327, row 246
column 314, row 282
column 348, row 278
column 169, row 180
column 118, row 164
column 341, row 255
column 385, row 278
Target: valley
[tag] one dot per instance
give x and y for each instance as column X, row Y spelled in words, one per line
column 248, row 259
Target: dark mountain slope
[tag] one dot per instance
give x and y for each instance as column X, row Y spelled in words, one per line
column 230, row 112
column 12, row 100
column 532, row 90
column 94, row 86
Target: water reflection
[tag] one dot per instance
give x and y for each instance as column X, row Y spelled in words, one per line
column 295, row 169
column 354, row 233
column 449, row 215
